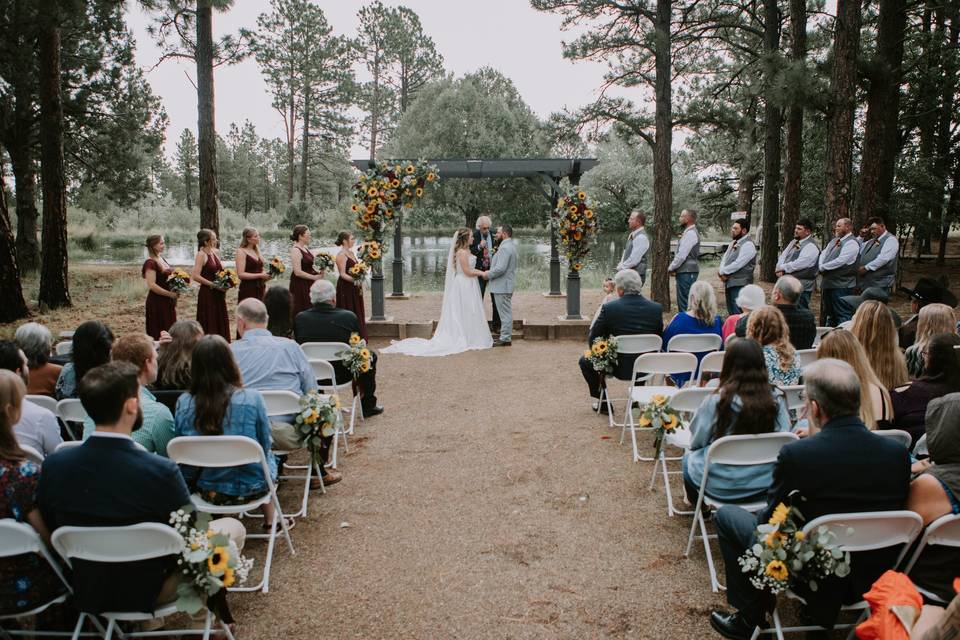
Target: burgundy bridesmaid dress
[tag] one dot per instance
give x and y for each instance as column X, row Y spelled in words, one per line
column 350, row 296
column 161, row 310
column 252, row 288
column 212, row 303
column 300, row 287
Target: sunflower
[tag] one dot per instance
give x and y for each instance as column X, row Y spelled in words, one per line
column 410, row 169
column 228, row 577
column 419, row 192
column 588, row 213
column 371, row 208
column 581, row 196
column 601, row 346
column 577, row 235
column 780, row 514
column 394, row 183
column 577, row 266
column 365, row 354
column 391, row 196
column 372, row 191
column 671, row 422
column 355, row 338
column 777, row 570
column 644, row 421
column 773, row 538
column 364, row 367
column 366, row 217
column 217, row 562
column 354, row 208
column 431, row 177
column 573, row 209
column 374, row 254
column 659, row 399
column 408, row 205
column 799, row 535
column 587, row 353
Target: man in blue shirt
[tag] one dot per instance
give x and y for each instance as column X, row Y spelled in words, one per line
column 271, row 363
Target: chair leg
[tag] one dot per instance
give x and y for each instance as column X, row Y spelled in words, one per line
column 316, row 469
column 715, row 585
column 111, row 625
column 77, row 629
column 656, row 469
column 777, row 625
column 693, row 530
column 283, row 524
column 207, row 620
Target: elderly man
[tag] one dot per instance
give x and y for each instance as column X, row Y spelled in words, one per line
column 838, row 272
column 737, row 265
column 635, row 251
column 785, row 296
column 323, row 322
column 482, row 247
column 800, row 259
column 36, row 341
column 685, row 266
column 631, row 313
column 821, row 469
column 38, row 427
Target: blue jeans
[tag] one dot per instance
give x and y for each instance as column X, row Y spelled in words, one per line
column 731, row 295
column 684, row 282
column 836, row 310
column 804, row 301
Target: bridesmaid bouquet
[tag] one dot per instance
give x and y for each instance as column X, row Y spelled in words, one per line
column 179, row 280
column 276, row 267
column 226, row 279
column 323, row 262
column 359, row 272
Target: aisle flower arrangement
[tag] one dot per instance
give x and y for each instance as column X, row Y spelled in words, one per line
column 357, row 359
column 318, row 419
column 275, row 267
column 602, row 354
column 664, row 419
column 370, row 251
column 226, row 279
column 577, row 227
column 179, row 280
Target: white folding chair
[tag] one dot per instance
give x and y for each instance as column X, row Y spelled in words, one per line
column 821, row 331
column 630, row 344
column 287, row 403
column 744, row 450
column 46, row 402
column 944, row 531
column 645, row 367
column 686, row 401
column 897, row 434
column 18, row 538
column 70, row 444
column 127, row 544
column 328, row 351
column 323, row 370
column 72, row 413
column 866, row 531
column 64, row 348
column 730, row 338
column 806, row 356
column 32, row 454
column 695, row 343
column 234, row 451
column 794, row 396
column 711, row 363
column 66, row 335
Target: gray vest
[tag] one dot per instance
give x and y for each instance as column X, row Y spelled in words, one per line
column 809, row 275
column 844, row 277
column 691, row 263
column 882, row 277
column 641, row 267
column 744, row 275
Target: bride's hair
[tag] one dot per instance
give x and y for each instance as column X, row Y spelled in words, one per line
column 464, row 238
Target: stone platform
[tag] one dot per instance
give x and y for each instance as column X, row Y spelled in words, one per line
column 522, row 329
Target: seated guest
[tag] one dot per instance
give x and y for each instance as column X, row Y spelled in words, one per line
column 876, row 410
column 936, row 492
column 840, row 468
column 803, row 326
column 700, row 317
column 853, row 302
column 218, row 405
column 36, row 341
column 629, row 314
column 37, row 427
column 932, row 320
column 750, row 297
column 26, row 580
column 873, row 327
column 768, row 327
column 92, row 342
column 942, row 377
column 173, row 365
column 744, row 403
column 266, row 363
column 156, row 423
column 324, row 322
column 926, row 291
column 109, row 482
column 279, row 307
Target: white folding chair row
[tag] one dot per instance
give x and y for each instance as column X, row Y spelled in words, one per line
column 45, row 402
column 234, row 451
column 127, row 544
column 855, row 532
column 64, row 348
column 687, row 402
column 287, row 403
column 694, row 343
column 806, row 356
column 328, row 351
column 743, row 450
column 71, row 411
column 944, row 531
column 711, row 363
column 323, row 370
column 632, row 344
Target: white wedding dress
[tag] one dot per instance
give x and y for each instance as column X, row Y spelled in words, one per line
column 462, row 326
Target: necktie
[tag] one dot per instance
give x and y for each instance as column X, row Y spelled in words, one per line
column 837, row 243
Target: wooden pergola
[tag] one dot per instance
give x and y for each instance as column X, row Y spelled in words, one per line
column 544, row 173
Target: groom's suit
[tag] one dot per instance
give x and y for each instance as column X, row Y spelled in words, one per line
column 502, row 277
column 483, row 256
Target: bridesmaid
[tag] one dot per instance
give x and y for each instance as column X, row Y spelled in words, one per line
column 253, row 279
column 303, row 274
column 212, row 300
column 349, row 294
column 161, row 302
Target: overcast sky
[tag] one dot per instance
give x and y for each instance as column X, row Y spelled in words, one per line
column 508, row 35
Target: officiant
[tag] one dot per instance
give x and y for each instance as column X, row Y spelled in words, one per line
column 635, row 251
column 482, row 247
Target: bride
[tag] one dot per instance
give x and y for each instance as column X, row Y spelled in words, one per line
column 462, row 325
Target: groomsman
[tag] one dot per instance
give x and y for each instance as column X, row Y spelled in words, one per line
column 877, row 266
column 838, row 272
column 686, row 262
column 800, row 260
column 635, row 252
column 736, row 268
column 482, row 248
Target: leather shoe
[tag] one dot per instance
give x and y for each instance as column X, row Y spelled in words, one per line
column 372, row 411
column 603, row 408
column 731, row 625
column 501, row 343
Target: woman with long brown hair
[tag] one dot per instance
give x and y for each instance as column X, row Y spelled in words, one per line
column 873, row 326
column 302, row 272
column 173, row 364
column 253, row 279
column 217, row 404
column 767, row 326
column 212, row 300
column 349, row 289
column 161, row 309
column 932, row 320
column 875, row 407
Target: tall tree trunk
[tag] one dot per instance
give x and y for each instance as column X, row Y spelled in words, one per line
column 305, row 149
column 929, row 108
column 11, row 291
column 944, row 139
column 25, row 180
column 880, row 144
column 773, row 123
column 375, row 110
column 206, row 125
column 662, row 157
column 188, row 187
column 793, row 172
column 291, row 137
column 843, row 89
column 54, row 280
column 746, row 183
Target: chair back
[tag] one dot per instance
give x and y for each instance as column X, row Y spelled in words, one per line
column 665, row 363
column 944, row 531
column 713, row 383
column 32, row 454
column 132, row 543
column 46, row 402
column 71, row 410
column 17, row 538
column 730, row 338
column 711, row 363
column 689, row 400
column 871, row 530
column 64, row 348
column 639, row 343
column 216, row 451
column 323, row 370
column 794, row 396
column 695, row 342
column 749, row 449
column 68, row 444
column 324, row 350
column 168, row 398
column 821, row 331
column 281, row 403
column 806, row 356
column 897, row 434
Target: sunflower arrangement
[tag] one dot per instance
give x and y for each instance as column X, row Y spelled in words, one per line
column 664, row 419
column 359, row 272
column 602, row 354
column 323, row 261
column 357, row 359
column 577, row 226
column 318, row 418
column 784, row 557
column 209, row 561
column 382, row 192
column 276, row 267
column 226, row 279
column 370, row 251
column 179, row 280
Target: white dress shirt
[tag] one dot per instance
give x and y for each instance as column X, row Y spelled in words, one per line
column 687, row 242
column 640, row 246
column 748, row 251
column 848, row 254
column 807, row 258
column 888, row 252
column 38, row 428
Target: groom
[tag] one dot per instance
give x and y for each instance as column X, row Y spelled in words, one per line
column 502, row 275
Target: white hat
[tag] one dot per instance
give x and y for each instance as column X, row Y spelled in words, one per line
column 751, row 297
